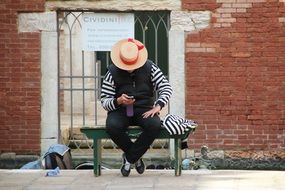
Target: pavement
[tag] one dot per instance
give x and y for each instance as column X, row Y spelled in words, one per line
column 151, row 179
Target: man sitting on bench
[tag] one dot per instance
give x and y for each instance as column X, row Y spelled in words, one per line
column 128, row 94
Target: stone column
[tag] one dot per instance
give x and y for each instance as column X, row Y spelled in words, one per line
column 177, row 74
column 46, row 24
column 181, row 22
column 49, row 91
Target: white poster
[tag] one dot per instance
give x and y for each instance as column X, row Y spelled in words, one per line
column 101, row 30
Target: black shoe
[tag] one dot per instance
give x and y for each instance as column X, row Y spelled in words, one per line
column 126, row 167
column 140, row 167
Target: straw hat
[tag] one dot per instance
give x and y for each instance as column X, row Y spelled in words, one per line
column 129, row 54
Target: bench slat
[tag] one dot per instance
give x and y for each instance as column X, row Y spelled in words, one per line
column 100, row 133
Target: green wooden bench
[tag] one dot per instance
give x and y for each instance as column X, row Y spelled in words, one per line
column 99, row 133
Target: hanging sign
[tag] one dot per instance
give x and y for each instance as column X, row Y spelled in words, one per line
column 101, row 30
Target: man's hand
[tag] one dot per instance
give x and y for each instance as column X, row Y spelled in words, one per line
column 125, row 99
column 152, row 112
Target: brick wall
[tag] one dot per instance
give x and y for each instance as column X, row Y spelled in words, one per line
column 19, row 80
column 235, row 75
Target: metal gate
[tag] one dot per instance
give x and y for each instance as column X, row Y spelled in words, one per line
column 80, row 73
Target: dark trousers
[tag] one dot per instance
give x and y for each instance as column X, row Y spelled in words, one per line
column 118, row 122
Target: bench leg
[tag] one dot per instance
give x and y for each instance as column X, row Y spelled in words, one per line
column 177, row 149
column 97, row 157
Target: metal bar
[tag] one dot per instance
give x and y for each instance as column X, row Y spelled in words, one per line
column 97, row 157
column 58, row 77
column 83, row 89
column 79, row 89
column 95, row 87
column 71, row 81
column 155, row 45
column 99, row 84
column 92, row 10
column 167, row 33
column 86, row 77
column 177, row 144
column 107, row 58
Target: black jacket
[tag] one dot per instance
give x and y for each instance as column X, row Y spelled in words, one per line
column 137, row 84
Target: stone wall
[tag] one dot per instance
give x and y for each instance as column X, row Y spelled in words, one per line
column 114, row 5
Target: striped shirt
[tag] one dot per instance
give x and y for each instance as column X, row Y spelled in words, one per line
column 177, row 125
column 159, row 81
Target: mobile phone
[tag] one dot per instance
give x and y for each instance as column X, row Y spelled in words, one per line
column 130, row 97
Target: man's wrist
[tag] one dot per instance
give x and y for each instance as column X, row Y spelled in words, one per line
column 117, row 102
column 160, row 104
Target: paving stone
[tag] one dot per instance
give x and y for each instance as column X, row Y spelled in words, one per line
column 151, row 179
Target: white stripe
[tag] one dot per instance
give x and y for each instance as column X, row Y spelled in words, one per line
column 170, row 128
column 178, row 125
column 173, row 125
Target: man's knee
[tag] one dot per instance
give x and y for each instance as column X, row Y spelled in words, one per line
column 114, row 127
column 111, row 126
column 153, row 125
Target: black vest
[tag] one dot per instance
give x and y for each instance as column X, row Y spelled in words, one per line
column 137, row 84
